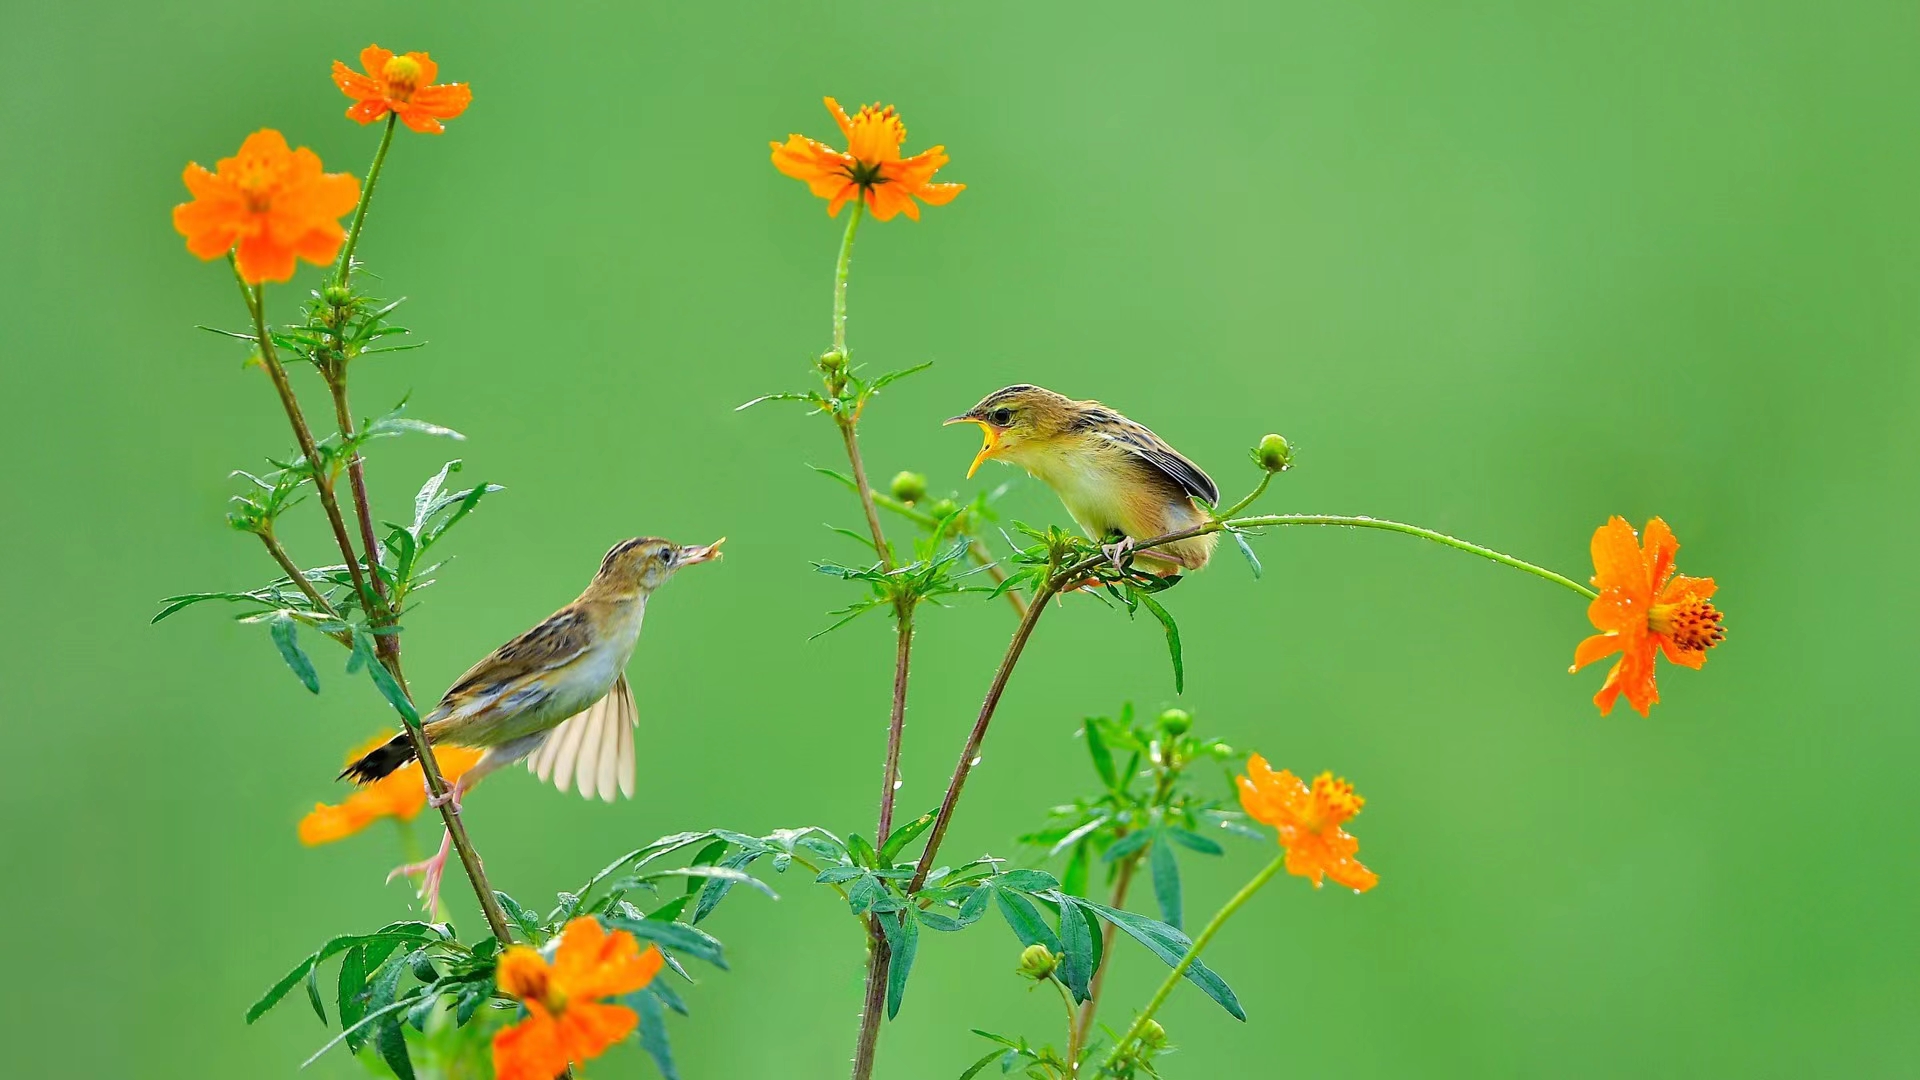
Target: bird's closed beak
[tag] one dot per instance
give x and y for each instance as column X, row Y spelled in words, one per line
column 986, row 447
column 696, row 554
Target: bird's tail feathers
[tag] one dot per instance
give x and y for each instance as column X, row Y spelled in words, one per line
column 383, row 760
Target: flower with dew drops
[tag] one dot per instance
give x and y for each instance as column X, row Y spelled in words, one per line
column 566, row 1021
column 268, row 204
column 1308, row 820
column 870, row 168
column 1644, row 608
column 401, row 84
column 400, row 795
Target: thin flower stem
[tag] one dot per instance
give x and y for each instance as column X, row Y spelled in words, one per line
column 896, row 725
column 469, row 859
column 1199, row 945
column 840, row 279
column 387, row 645
column 299, row 579
column 865, row 490
column 345, row 269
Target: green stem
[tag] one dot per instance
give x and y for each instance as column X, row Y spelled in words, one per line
column 1193, row 953
column 345, row 268
column 1259, row 522
column 300, row 582
column 840, row 279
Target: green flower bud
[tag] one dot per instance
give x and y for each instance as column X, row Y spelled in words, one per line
column 943, row 508
column 909, row 487
column 1037, row 963
column 832, row 361
column 1176, row 721
column 1274, row 454
column 1152, row 1035
column 337, row 295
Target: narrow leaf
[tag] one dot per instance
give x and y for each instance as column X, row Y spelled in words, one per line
column 653, row 1031
column 1077, row 935
column 1025, row 920
column 905, row 835
column 903, row 940
column 282, row 629
column 1102, row 757
column 1166, row 882
column 1173, row 638
column 1170, row 946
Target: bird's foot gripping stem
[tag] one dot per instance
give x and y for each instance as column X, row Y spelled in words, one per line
column 1117, row 552
column 452, row 795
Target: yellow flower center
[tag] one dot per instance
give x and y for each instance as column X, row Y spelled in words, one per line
column 1333, row 802
column 402, row 76
column 1692, row 625
column 875, row 135
column 525, row 975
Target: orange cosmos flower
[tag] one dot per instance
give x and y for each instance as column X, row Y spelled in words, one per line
column 401, row 795
column 871, row 167
column 1644, row 607
column 566, row 1022
column 272, row 201
column 400, row 84
column 1309, row 822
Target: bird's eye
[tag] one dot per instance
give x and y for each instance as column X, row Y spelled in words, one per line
column 1001, row 416
column 666, row 556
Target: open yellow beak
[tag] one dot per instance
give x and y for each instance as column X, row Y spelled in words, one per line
column 986, row 448
column 691, row 555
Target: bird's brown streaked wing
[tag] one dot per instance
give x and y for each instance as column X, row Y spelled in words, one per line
column 594, row 747
column 558, row 640
column 1152, row 449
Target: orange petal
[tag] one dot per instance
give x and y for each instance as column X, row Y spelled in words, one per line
column 530, row 1049
column 418, row 119
column 939, row 194
column 1634, row 675
column 261, row 259
column 1617, row 563
column 1618, row 610
column 588, row 1028
column 1594, row 648
column 1691, row 658
column 840, row 117
column 366, row 112
column 1683, row 588
column 1661, row 546
column 373, row 59
column 444, row 102
column 355, row 85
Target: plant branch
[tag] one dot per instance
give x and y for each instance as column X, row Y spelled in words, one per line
column 896, row 725
column 1193, row 953
column 299, row 579
column 345, row 268
column 386, row 645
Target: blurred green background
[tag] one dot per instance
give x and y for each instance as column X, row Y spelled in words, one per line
column 1498, row 269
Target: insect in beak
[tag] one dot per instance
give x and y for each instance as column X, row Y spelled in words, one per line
column 986, row 448
column 691, row 555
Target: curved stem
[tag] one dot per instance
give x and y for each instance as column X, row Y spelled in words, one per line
column 345, row 268
column 1193, row 953
column 840, row 267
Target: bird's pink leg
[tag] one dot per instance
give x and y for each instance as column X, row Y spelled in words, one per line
column 430, row 873
column 453, row 795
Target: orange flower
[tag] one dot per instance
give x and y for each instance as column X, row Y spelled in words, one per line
column 400, row 794
column 400, row 84
column 273, row 202
column 566, row 1022
column 871, row 167
column 1644, row 607
column 1309, row 822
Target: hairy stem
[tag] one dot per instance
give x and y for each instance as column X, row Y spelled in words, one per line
column 386, row 645
column 864, row 490
column 345, row 269
column 840, row 267
column 1193, row 953
column 873, row 1001
column 897, row 723
column 469, row 859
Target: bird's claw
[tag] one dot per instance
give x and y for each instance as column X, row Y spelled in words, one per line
column 451, row 796
column 1116, row 552
column 430, row 871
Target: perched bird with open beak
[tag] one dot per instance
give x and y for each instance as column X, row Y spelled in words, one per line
column 1121, row 482
column 556, row 696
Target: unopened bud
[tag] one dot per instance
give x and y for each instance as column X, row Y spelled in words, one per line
column 1152, row 1035
column 944, row 509
column 1274, row 454
column 1176, row 721
column 909, row 487
column 337, row 295
column 833, row 360
column 1037, row 962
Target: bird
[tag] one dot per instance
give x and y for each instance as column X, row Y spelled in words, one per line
column 1120, row 481
column 556, row 697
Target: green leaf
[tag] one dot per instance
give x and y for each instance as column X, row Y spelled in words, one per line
column 903, row 940
column 1170, row 945
column 1166, row 883
column 706, row 857
column 974, row 1069
column 383, row 679
column 653, row 1031
column 815, row 398
column 1102, row 757
column 1028, row 880
column 282, row 629
column 905, row 835
column 400, row 931
column 1173, row 638
column 673, row 935
column 313, row 993
column 1127, row 845
column 1193, row 841
column 527, row 921
column 1074, row 881
column 716, row 889
column 1025, row 920
column 1076, row 968
column 878, row 384
column 862, row 851
column 350, row 991
column 387, row 1037
column 1247, row 550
